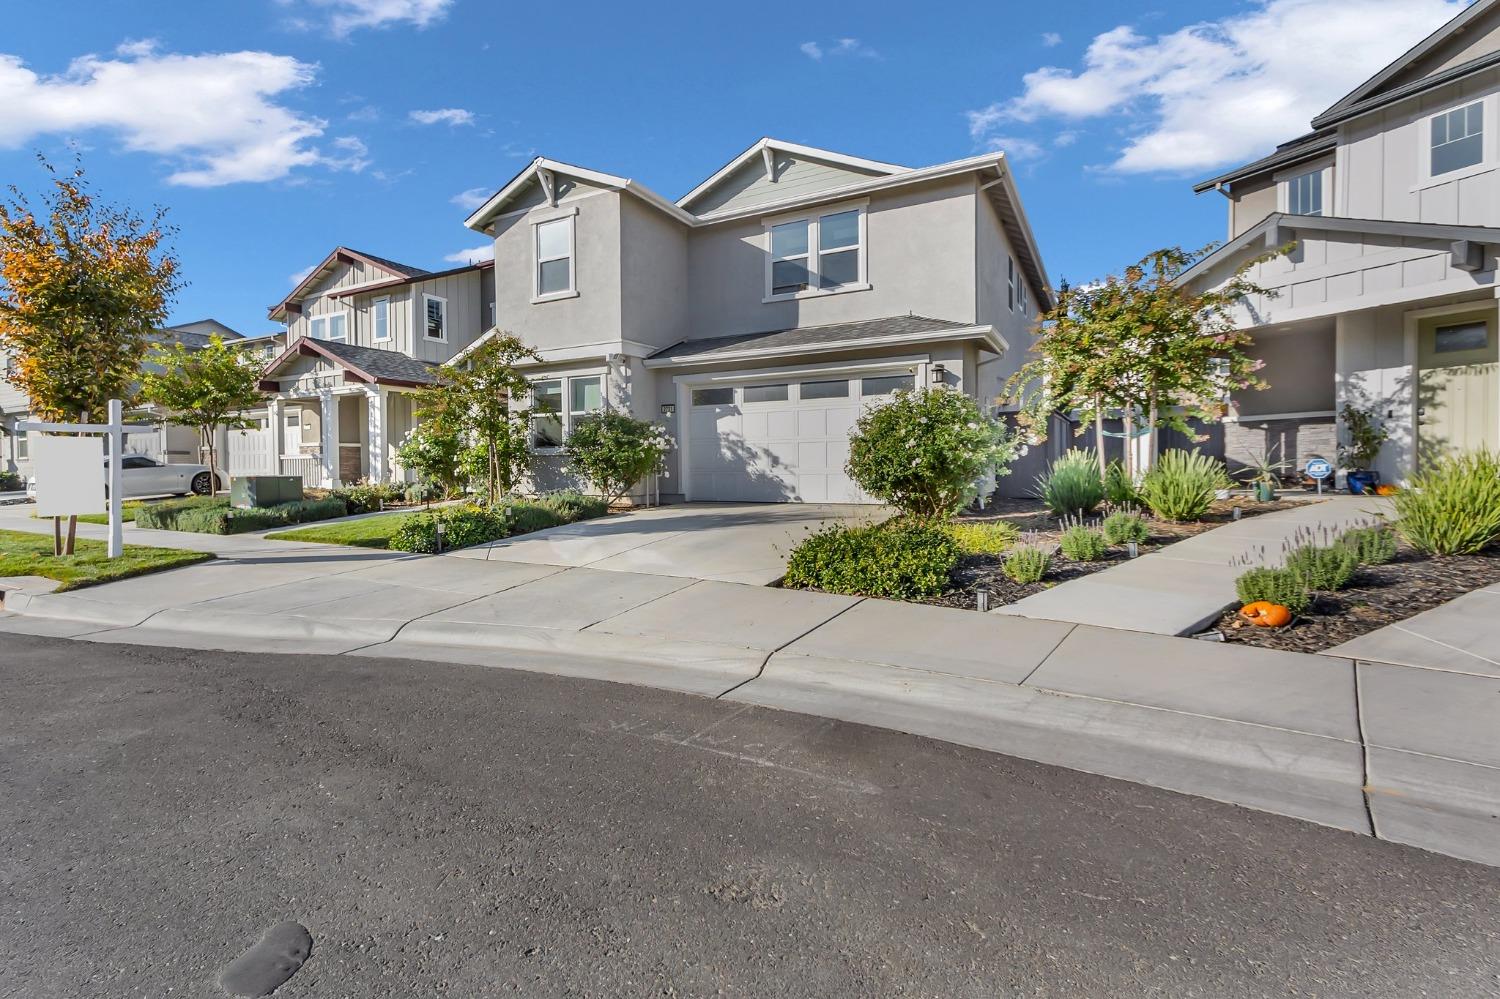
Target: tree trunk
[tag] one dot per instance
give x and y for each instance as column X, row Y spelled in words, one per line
column 1129, row 439
column 213, row 459
column 1153, row 441
column 1099, row 436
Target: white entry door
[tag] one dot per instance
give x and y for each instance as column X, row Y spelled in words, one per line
column 780, row 441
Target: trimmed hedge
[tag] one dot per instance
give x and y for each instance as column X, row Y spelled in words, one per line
column 214, row 515
column 899, row 560
column 571, row 505
column 471, row 524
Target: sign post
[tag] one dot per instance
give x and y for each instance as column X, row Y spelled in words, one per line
column 1318, row 469
column 68, row 481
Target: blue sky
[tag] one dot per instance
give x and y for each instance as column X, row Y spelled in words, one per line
column 274, row 130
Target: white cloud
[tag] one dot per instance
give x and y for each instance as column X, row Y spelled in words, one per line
column 136, row 47
column 1224, row 91
column 345, row 16
column 812, row 50
column 1051, row 39
column 472, row 198
column 443, row 116
column 838, row 47
column 301, row 275
column 1014, row 147
column 473, row 256
column 215, row 117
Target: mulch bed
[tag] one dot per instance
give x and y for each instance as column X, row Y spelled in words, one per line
column 1379, row 595
column 1037, row 524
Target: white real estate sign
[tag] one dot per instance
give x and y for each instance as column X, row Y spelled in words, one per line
column 69, row 475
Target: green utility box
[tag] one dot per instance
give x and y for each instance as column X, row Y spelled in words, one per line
column 247, row 491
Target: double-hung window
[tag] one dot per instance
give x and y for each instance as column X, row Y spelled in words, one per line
column 557, row 404
column 434, row 317
column 824, row 253
column 1304, row 193
column 334, row 327
column 380, row 320
column 554, row 258
column 1457, row 139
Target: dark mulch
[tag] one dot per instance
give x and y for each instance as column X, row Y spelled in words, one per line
column 1037, row 524
column 1379, row 595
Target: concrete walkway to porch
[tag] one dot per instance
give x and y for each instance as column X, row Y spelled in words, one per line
column 1184, row 587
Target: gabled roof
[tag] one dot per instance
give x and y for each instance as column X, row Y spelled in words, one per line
column 396, row 282
column 1354, row 101
column 1304, row 147
column 759, row 149
column 341, row 255
column 891, row 331
column 366, row 364
column 1273, row 230
column 542, row 169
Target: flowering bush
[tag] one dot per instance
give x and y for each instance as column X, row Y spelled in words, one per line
column 614, row 451
column 432, row 450
column 924, row 452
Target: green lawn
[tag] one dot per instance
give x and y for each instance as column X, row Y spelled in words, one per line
column 372, row 532
column 23, row 554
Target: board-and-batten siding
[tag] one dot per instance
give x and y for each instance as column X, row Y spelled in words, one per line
column 319, row 301
column 467, row 316
column 748, row 186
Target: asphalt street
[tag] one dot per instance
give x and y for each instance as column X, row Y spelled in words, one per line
column 459, row 831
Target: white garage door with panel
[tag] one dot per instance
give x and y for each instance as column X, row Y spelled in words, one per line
column 780, row 439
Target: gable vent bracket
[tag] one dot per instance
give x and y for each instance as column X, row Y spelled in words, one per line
column 768, row 156
column 549, row 186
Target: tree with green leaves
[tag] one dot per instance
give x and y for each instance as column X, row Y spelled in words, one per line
column 205, row 389
column 480, row 400
column 613, row 451
column 83, row 287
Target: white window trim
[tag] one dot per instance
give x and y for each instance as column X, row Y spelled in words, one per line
column 566, row 377
column 426, row 338
column 312, row 327
column 536, row 258
column 1010, row 281
column 374, row 324
column 812, row 217
column 1283, row 180
column 21, row 446
column 1425, row 176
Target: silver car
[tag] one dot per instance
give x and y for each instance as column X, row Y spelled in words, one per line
column 145, row 476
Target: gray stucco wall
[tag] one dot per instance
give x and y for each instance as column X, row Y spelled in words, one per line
column 1250, row 204
column 1298, row 368
column 653, row 275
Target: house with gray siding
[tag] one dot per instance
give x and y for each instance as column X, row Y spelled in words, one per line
column 755, row 317
column 1387, row 300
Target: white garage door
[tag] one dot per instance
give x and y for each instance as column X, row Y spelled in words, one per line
column 780, row 441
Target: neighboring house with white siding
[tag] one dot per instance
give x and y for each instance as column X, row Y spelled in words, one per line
column 755, row 317
column 1388, row 300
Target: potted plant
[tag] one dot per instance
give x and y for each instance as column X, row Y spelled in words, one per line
column 1267, row 467
column 1363, row 436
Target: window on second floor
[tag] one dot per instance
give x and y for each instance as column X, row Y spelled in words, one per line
column 1304, row 193
column 380, row 319
column 332, row 327
column 824, row 253
column 434, row 317
column 1010, row 283
column 1457, row 139
column 554, row 258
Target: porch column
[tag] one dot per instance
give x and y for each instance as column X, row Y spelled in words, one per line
column 273, row 413
column 376, row 437
column 328, row 407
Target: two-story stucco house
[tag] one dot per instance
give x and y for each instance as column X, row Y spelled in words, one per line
column 754, row 317
column 1387, row 301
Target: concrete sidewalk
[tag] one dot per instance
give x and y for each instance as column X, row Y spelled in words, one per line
column 1281, row 732
column 1183, row 588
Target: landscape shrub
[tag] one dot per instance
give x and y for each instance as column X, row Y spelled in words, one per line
column 367, row 497
column 1453, row 506
column 214, row 515
column 463, row 525
column 1323, row 568
column 572, row 505
column 1279, row 586
column 1125, row 525
column 1373, row 545
column 1072, row 486
column 983, row 537
column 901, row 560
column 525, row 516
column 613, row 451
column 1181, row 485
column 1118, row 489
column 423, row 492
column 925, row 452
column 1027, row 563
column 11, row 482
column 1083, row 544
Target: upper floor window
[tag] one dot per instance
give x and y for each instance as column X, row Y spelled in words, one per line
column 1021, row 299
column 554, row 258
column 823, row 253
column 381, row 320
column 1010, row 286
column 1304, row 193
column 435, row 317
column 1457, row 139
column 334, row 327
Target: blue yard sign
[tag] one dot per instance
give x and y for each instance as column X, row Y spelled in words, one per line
column 1318, row 469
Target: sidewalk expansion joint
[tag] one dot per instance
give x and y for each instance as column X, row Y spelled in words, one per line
column 1072, row 627
column 797, row 638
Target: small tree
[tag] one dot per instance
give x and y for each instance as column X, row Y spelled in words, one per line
column 81, row 292
column 614, row 451
column 477, row 402
column 434, row 452
column 925, row 452
column 205, row 389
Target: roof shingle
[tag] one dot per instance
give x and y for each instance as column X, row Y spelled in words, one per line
column 708, row 349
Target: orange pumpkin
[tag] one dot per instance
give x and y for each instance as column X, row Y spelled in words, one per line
column 1264, row 614
column 1385, row 489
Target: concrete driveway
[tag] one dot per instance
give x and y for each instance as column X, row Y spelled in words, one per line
column 726, row 542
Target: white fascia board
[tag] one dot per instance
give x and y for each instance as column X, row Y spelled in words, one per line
column 811, row 152
column 937, row 172
column 988, row 334
column 1014, row 195
column 486, row 212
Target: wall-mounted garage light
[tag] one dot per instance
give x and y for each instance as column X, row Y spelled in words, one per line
column 939, row 375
